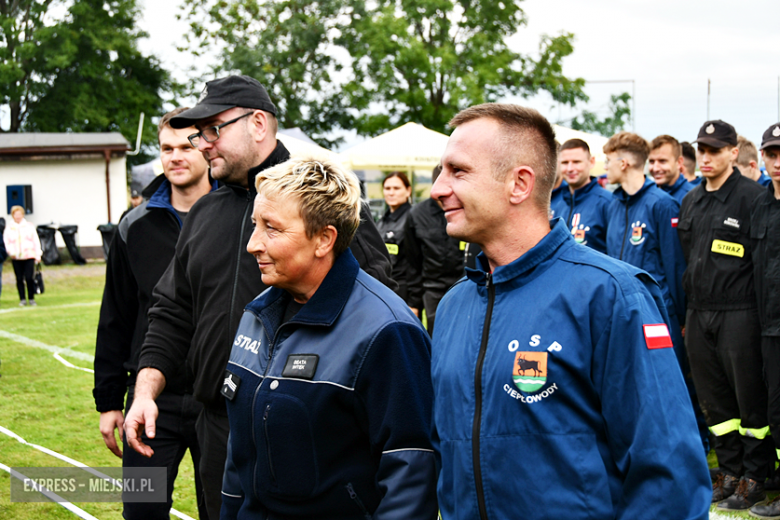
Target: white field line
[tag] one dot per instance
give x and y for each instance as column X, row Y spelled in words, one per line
column 78, row 464
column 71, row 365
column 46, row 308
column 52, row 496
column 51, row 348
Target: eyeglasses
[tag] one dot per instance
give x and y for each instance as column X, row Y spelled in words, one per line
column 211, row 133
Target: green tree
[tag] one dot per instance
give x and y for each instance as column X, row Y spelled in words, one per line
column 371, row 66
column 618, row 118
column 105, row 82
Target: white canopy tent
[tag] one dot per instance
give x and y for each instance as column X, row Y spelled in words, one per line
column 298, row 146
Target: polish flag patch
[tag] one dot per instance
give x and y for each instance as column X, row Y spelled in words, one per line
column 674, row 222
column 657, row 336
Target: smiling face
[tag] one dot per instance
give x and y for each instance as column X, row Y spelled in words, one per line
column 396, row 193
column 279, row 243
column 664, row 166
column 575, row 164
column 183, row 164
column 475, row 203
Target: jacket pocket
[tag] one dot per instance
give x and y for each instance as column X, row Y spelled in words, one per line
column 287, row 463
column 356, row 500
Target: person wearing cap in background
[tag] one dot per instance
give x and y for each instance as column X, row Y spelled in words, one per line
column 688, row 168
column 722, row 331
column 136, row 198
column 200, row 298
column 765, row 235
column 747, row 162
column 583, row 206
column 665, row 162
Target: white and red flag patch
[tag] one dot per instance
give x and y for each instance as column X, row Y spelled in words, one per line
column 657, row 336
column 674, row 221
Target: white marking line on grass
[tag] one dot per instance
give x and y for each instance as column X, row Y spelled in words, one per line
column 45, row 307
column 71, row 365
column 78, row 464
column 52, row 496
column 51, row 348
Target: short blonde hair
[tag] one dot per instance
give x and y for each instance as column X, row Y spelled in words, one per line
column 329, row 194
column 14, row 209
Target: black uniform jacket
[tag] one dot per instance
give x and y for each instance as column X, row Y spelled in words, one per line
column 200, row 298
column 141, row 250
column 765, row 235
column 391, row 227
column 435, row 258
column 714, row 230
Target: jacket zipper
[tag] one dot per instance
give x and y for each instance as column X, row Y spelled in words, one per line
column 478, row 404
column 238, row 263
column 268, row 443
column 571, row 213
column 625, row 233
column 356, row 499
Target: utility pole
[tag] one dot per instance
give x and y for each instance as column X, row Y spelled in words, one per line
column 708, row 98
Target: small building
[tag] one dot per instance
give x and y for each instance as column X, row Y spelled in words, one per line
column 63, row 179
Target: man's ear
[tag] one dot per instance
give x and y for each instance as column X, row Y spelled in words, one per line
column 521, row 181
column 326, row 240
column 680, row 163
column 259, row 120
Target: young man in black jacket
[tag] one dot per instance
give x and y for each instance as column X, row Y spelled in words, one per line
column 200, row 299
column 140, row 252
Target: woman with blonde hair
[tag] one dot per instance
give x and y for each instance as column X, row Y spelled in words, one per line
column 24, row 248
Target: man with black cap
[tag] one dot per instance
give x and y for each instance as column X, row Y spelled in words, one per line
column 765, row 234
column 200, row 298
column 722, row 335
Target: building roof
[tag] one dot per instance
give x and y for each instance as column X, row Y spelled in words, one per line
column 39, row 141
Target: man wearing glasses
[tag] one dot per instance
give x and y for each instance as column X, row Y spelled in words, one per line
column 200, row 299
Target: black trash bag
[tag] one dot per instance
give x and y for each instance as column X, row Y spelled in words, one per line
column 107, row 232
column 50, row 256
column 69, row 236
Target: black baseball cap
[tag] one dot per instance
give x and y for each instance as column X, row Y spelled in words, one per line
column 223, row 94
column 718, row 134
column 771, row 137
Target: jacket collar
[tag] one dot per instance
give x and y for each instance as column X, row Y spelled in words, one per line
column 671, row 189
column 278, row 156
column 395, row 215
column 625, row 198
column 161, row 196
column 527, row 264
column 581, row 192
column 323, row 308
column 723, row 193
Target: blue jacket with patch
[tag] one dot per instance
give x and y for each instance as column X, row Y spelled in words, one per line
column 550, row 400
column 643, row 232
column 679, row 189
column 330, row 412
column 556, row 198
column 585, row 213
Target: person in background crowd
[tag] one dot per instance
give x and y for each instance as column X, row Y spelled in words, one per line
column 722, row 330
column 556, row 391
column 199, row 299
column 559, row 187
column 397, row 191
column 765, row 236
column 3, row 252
column 642, row 231
column 688, row 168
column 583, row 206
column 665, row 162
column 357, row 445
column 747, row 162
column 24, row 248
column 140, row 252
column 435, row 259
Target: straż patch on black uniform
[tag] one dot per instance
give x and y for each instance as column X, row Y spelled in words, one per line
column 301, row 366
column 230, row 384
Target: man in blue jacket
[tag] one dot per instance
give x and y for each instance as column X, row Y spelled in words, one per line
column 583, row 206
column 665, row 162
column 556, row 390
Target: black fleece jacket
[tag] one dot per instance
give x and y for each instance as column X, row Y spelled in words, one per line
column 200, row 298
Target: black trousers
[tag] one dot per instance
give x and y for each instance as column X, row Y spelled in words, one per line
column 724, row 349
column 213, row 429
column 175, row 434
column 24, row 271
column 431, row 299
column 770, row 348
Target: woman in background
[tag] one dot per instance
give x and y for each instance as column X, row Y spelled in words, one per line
column 24, row 248
column 397, row 192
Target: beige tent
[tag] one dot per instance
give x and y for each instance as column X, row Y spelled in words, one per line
column 407, row 148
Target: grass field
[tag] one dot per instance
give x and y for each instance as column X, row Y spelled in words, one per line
column 46, row 403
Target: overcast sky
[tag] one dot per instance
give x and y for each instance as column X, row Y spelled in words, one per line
column 670, row 48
